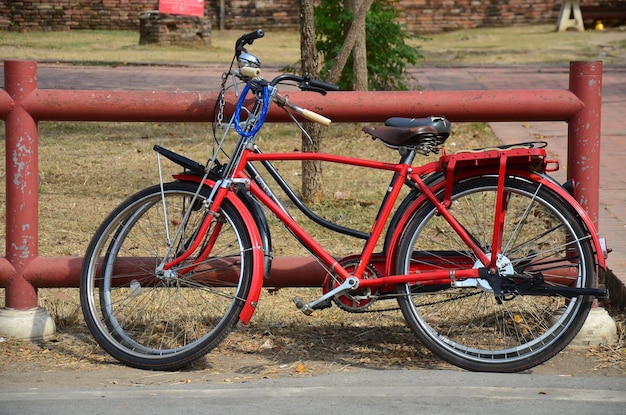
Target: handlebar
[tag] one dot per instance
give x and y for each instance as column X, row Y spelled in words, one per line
column 305, row 83
column 308, row 114
column 314, row 116
column 249, row 72
column 247, row 39
column 323, row 85
column 250, row 37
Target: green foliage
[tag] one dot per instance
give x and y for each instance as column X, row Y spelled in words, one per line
column 387, row 53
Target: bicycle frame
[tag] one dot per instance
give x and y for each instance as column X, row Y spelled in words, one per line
column 455, row 167
column 492, row 263
column 527, row 162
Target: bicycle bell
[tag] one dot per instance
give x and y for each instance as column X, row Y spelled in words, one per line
column 246, row 59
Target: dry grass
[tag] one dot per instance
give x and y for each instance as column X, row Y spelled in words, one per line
column 520, row 45
column 524, row 45
column 281, row 341
column 86, row 169
column 122, row 47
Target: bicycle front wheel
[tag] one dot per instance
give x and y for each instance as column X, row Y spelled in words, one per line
column 150, row 319
column 468, row 327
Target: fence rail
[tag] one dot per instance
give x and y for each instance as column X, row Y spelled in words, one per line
column 22, row 105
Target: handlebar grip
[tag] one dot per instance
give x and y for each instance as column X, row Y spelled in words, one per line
column 324, row 85
column 250, row 72
column 256, row 34
column 315, row 117
column 247, row 39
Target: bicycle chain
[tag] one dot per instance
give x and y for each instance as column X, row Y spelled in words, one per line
column 382, row 310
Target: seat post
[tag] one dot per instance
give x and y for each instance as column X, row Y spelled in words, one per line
column 407, row 154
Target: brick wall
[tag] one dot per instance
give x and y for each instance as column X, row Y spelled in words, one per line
column 26, row 15
column 269, row 14
column 429, row 16
column 420, row 16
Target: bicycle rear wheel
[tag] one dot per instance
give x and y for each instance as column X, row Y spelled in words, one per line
column 151, row 319
column 468, row 327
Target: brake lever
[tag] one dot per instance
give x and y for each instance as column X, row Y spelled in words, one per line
column 307, row 87
column 315, row 85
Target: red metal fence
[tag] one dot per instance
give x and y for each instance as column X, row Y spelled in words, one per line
column 22, row 105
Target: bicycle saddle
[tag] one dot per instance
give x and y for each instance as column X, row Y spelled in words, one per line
column 441, row 124
column 412, row 132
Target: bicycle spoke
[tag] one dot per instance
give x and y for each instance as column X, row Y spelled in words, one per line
column 542, row 241
column 150, row 318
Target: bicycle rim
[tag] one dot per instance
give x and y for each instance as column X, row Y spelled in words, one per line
column 152, row 320
column 467, row 326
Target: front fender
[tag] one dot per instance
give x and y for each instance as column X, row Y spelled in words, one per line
column 260, row 251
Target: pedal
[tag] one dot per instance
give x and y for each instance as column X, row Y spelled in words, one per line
column 328, row 303
column 302, row 306
column 308, row 308
column 324, row 301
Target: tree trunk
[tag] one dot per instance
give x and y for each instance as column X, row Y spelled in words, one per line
column 359, row 53
column 312, row 184
column 358, row 24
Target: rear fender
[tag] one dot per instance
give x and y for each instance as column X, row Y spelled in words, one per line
column 599, row 246
column 415, row 199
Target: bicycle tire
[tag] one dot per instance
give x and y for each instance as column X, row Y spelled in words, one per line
column 149, row 321
column 468, row 327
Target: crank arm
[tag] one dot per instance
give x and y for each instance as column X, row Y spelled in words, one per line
column 352, row 283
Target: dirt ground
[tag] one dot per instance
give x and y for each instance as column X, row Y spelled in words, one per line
column 290, row 345
column 46, row 368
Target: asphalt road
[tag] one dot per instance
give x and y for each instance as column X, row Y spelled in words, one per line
column 363, row 392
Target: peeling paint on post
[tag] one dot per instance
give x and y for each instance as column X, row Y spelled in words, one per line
column 21, row 184
column 583, row 147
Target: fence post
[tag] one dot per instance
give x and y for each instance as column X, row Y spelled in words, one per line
column 21, row 317
column 583, row 136
column 583, row 162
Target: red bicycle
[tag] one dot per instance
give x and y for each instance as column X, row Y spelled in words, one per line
column 492, row 262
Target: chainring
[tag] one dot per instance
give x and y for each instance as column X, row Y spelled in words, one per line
column 353, row 301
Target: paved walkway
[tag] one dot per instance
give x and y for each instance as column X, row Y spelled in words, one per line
column 356, row 390
column 613, row 148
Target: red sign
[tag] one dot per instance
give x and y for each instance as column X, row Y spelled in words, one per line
column 184, row 7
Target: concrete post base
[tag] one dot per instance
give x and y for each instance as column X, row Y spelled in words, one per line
column 35, row 324
column 599, row 328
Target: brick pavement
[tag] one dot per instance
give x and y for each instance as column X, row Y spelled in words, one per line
column 612, row 221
